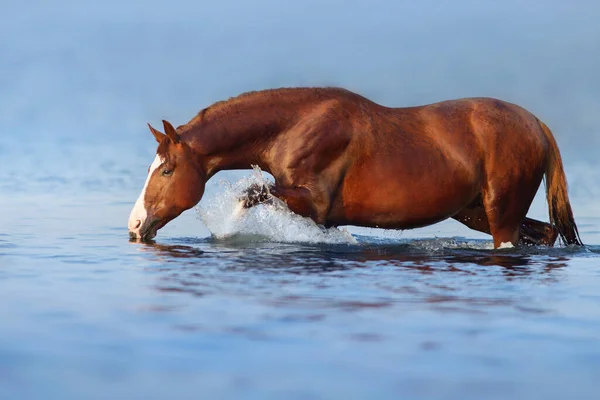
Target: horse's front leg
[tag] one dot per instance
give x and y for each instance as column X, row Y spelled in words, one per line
column 309, row 203
column 305, row 202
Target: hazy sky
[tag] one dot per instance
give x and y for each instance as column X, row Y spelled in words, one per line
column 94, row 72
column 113, row 65
column 103, row 69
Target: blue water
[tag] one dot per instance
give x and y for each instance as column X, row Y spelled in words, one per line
column 430, row 313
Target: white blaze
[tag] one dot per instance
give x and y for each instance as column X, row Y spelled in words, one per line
column 139, row 211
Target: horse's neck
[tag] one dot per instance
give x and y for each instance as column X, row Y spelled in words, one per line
column 238, row 136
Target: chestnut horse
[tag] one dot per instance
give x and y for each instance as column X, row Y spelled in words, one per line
column 342, row 159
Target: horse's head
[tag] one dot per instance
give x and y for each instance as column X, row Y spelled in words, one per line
column 174, row 184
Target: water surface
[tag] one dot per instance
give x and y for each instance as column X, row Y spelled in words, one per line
column 87, row 313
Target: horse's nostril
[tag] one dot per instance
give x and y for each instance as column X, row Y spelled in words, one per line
column 138, row 223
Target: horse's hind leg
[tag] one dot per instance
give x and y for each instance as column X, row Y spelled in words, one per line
column 531, row 231
column 506, row 203
column 535, row 232
column 474, row 216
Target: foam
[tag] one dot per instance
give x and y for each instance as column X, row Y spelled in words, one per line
column 225, row 217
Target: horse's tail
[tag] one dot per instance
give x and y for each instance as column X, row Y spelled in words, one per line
column 559, row 208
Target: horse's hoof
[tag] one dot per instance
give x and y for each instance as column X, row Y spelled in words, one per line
column 256, row 194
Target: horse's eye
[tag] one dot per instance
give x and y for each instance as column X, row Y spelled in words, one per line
column 167, row 172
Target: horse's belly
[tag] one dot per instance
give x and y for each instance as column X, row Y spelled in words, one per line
column 403, row 199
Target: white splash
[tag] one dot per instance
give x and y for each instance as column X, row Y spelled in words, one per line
column 224, row 217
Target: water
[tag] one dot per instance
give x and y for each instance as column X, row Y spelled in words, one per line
column 88, row 314
column 225, row 218
column 272, row 305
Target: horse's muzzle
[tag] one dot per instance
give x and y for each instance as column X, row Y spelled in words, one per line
column 145, row 230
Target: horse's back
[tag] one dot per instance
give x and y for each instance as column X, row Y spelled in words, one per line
column 496, row 131
column 439, row 157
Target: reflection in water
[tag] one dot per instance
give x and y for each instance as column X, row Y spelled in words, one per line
column 177, row 251
column 440, row 310
column 439, row 273
column 315, row 258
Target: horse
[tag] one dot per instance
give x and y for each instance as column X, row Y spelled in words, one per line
column 342, row 159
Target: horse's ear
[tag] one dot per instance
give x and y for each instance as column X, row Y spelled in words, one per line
column 158, row 135
column 171, row 132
